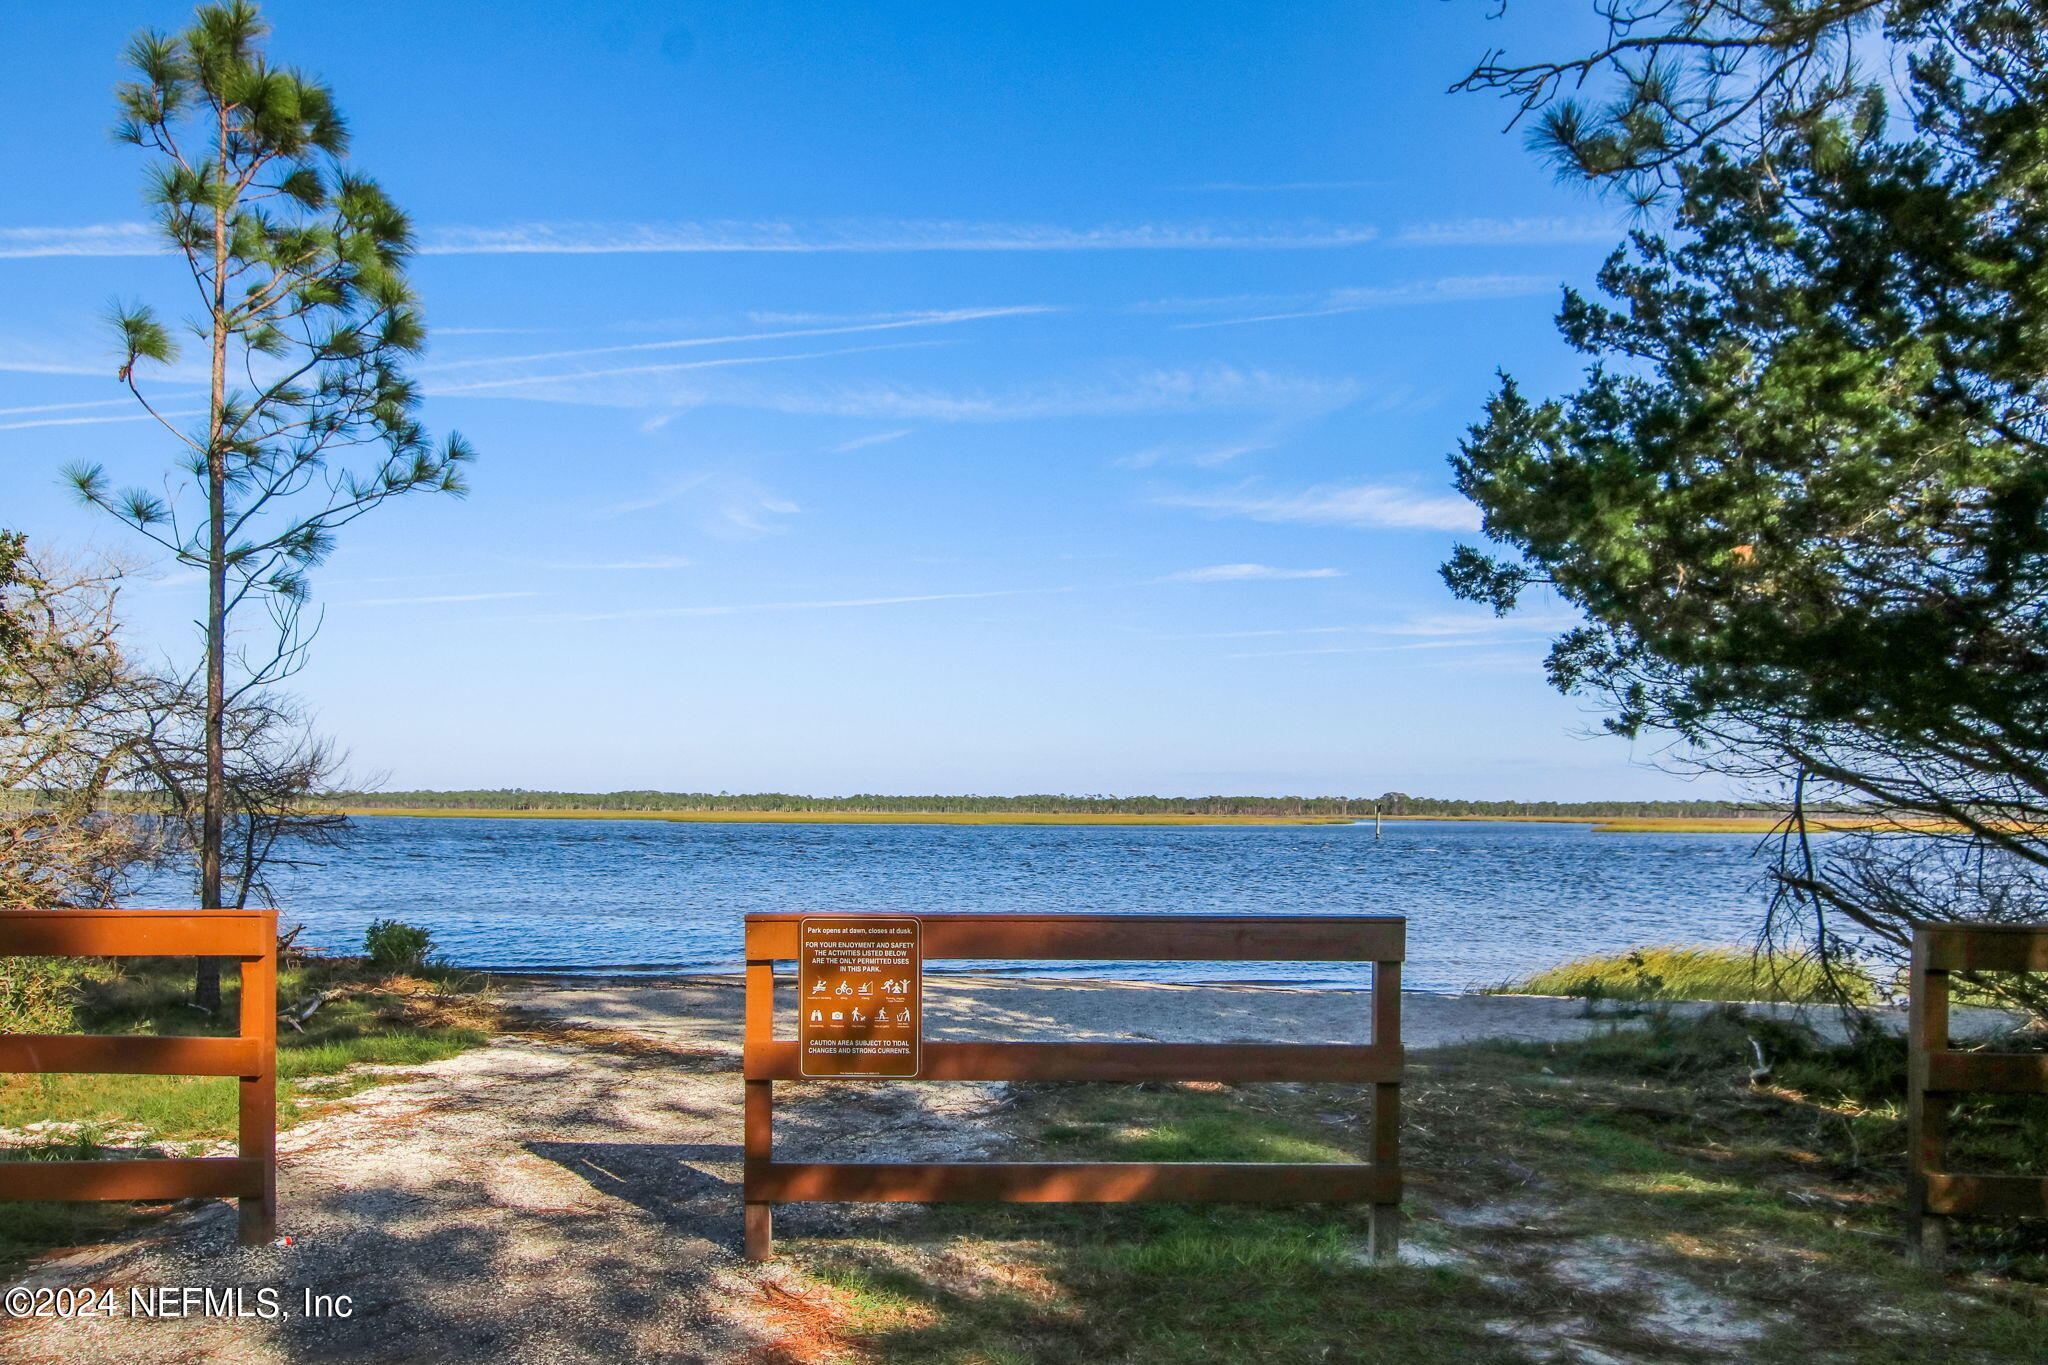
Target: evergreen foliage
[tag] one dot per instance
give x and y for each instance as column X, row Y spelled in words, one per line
column 1802, row 495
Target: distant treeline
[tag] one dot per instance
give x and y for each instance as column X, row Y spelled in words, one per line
column 1389, row 803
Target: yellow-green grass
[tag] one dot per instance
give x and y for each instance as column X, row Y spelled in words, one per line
column 738, row 817
column 372, row 1022
column 1745, row 825
column 1696, row 973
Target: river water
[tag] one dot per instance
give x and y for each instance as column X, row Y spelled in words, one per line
column 1485, row 901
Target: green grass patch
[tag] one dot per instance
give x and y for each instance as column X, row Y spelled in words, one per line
column 1020, row 1284
column 1776, row 1197
column 1271, row 1287
column 1265, row 1246
column 1172, row 1123
column 1699, row 973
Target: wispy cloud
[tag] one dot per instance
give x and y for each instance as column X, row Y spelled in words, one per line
column 830, row 605
column 446, row 597
column 863, row 442
column 676, row 388
column 1450, row 289
column 900, row 235
column 1363, row 505
column 1263, row 634
column 1202, row 455
column 1211, row 452
column 669, row 493
column 19, row 360
column 69, row 407
column 925, row 319
column 896, row 315
column 588, row 238
column 89, row 356
column 565, row 386
column 98, row 239
column 168, row 580
column 1445, row 625
column 94, row 421
column 746, row 515
column 1216, row 388
column 1239, row 573
column 732, row 506
column 652, row 562
column 1511, row 232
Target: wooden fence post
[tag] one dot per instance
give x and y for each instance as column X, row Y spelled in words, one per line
column 758, row 1150
column 257, row 1214
column 1384, row 1237
column 1926, row 1114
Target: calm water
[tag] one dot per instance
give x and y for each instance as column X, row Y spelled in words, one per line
column 1484, row 901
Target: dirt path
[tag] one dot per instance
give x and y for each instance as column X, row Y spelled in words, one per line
column 526, row 1201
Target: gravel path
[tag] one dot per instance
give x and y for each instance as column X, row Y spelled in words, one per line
column 527, row 1201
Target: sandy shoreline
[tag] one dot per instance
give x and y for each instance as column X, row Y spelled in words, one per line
column 706, row 1011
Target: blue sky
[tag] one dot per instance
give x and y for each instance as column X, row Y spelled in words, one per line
column 891, row 397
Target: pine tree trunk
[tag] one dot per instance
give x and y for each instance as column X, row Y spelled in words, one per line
column 213, row 815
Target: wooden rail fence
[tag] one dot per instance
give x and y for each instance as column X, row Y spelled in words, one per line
column 247, row 935
column 1936, row 1074
column 1377, row 939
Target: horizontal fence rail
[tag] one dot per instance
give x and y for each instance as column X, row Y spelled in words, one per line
column 1936, row 1074
column 249, row 937
column 1376, row 939
column 1175, row 938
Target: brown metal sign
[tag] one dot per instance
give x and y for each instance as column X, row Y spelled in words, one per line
column 859, row 988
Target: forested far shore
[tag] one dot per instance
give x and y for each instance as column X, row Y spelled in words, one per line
column 1389, row 803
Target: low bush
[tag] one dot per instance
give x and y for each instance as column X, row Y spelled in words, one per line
column 394, row 946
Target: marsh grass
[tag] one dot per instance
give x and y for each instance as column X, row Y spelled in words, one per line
column 1745, row 824
column 1696, row 973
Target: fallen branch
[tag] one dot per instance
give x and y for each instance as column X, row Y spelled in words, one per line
column 297, row 1017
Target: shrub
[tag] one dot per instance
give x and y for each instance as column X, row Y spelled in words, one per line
column 394, row 946
column 1722, row 1042
column 41, row 994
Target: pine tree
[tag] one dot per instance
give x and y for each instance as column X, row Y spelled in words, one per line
column 307, row 321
